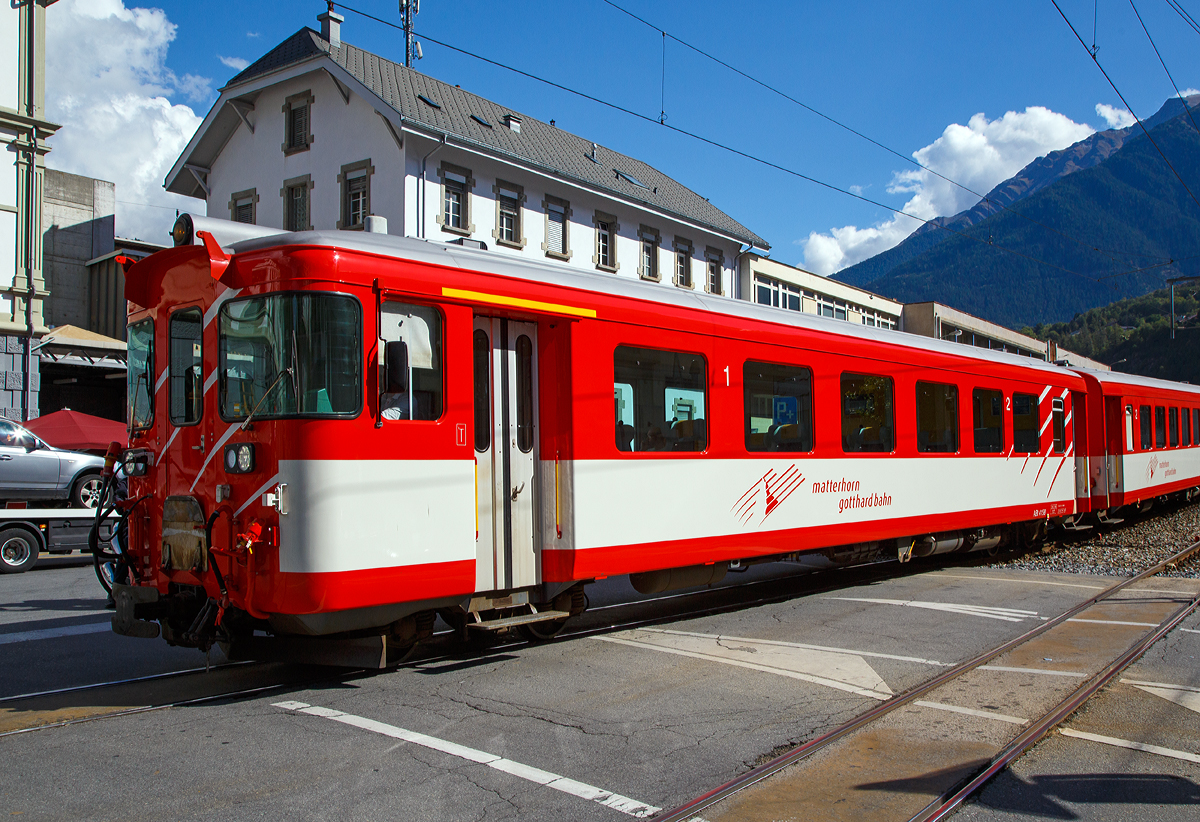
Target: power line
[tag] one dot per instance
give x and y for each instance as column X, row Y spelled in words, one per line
column 1127, row 106
column 1186, row 107
column 871, row 140
column 1187, row 18
column 745, row 155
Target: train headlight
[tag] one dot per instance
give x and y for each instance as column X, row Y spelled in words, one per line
column 135, row 463
column 239, row 458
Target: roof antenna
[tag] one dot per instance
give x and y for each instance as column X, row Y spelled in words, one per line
column 409, row 9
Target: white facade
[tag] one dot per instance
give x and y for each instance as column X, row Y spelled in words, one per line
column 260, row 172
column 767, row 282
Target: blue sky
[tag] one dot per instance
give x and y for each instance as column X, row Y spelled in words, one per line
column 901, row 73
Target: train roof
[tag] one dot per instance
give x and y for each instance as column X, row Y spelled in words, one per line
column 490, row 262
column 1117, row 378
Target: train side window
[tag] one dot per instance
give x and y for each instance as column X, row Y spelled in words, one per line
column 1129, row 429
column 524, row 394
column 1060, row 426
column 419, row 390
column 1185, row 438
column 937, row 418
column 140, row 374
column 987, row 418
column 1196, row 426
column 777, row 407
column 482, row 348
column 1026, row 427
column 660, row 400
column 1160, row 427
column 185, row 365
column 1146, row 418
column 868, row 424
column 1173, row 428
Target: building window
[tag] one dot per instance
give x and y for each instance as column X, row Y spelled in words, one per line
column 242, row 206
column 937, row 418
column 1026, row 429
column 778, row 407
column 867, row 419
column 772, row 292
column 607, row 227
column 714, row 262
column 297, row 122
column 659, row 399
column 987, row 418
column 355, row 181
column 558, row 225
column 295, row 194
column 509, row 199
column 683, row 263
column 455, row 215
column 648, row 265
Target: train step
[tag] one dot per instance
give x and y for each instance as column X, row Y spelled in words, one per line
column 520, row 619
column 1106, row 520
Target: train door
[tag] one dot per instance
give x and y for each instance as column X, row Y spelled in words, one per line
column 1119, row 441
column 1079, row 436
column 505, row 357
column 188, row 434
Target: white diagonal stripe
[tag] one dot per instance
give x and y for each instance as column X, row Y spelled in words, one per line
column 800, row 645
column 1005, row 614
column 212, row 452
column 1133, row 746
column 616, row 801
column 941, row 706
column 54, row 633
column 1040, row 671
column 167, row 447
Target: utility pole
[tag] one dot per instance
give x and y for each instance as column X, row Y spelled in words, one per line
column 408, row 19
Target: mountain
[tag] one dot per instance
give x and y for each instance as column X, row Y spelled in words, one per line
column 1110, row 192
column 1134, row 335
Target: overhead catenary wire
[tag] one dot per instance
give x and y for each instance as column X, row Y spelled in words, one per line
column 1127, row 106
column 906, row 158
column 748, row 156
column 1178, row 93
column 1187, row 18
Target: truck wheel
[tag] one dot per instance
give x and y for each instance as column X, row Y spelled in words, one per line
column 18, row 550
column 85, row 493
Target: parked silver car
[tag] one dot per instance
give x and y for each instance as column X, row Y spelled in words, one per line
column 31, row 470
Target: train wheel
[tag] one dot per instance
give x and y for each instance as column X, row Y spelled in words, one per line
column 18, row 550
column 543, row 631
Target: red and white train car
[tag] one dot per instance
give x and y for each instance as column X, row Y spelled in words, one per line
column 1149, row 443
column 342, row 434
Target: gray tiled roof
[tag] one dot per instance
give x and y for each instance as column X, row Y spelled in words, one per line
column 538, row 143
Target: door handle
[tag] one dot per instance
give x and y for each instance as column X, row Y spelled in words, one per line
column 517, row 490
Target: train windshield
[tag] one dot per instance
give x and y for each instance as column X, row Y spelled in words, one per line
column 287, row 355
column 140, row 374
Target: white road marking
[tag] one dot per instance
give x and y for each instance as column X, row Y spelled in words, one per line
column 1190, row 630
column 1181, row 695
column 1134, row 746
column 1022, row 581
column 551, row 780
column 838, row 671
column 53, row 633
column 803, row 646
column 1042, row 671
column 1115, row 622
column 1005, row 614
column 941, row 706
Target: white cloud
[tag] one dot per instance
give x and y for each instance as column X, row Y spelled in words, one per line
column 1115, row 117
column 234, row 62
column 978, row 155
column 108, row 85
column 1188, row 92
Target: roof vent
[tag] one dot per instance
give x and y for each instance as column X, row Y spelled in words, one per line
column 428, row 101
column 513, row 122
column 331, row 26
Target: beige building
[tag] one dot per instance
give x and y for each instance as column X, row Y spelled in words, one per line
column 767, row 282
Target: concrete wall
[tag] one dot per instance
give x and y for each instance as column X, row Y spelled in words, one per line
column 78, row 221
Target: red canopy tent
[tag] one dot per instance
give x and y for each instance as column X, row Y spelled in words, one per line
column 78, row 432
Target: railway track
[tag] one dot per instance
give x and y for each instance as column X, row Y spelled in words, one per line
column 957, row 788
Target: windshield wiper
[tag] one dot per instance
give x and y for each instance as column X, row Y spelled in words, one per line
column 285, row 372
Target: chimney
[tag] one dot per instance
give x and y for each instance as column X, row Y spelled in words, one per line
column 331, row 26
column 513, row 122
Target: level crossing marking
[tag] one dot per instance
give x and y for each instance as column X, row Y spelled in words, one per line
column 1042, row 671
column 1115, row 622
column 551, row 780
column 1181, row 695
column 1190, row 630
column 802, row 646
column 1022, row 581
column 840, row 671
column 1133, row 746
column 54, row 633
column 987, row 612
column 941, row 706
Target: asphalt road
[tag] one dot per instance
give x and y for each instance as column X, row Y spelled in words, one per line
column 603, row 726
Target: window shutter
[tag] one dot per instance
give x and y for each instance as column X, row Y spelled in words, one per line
column 244, row 212
column 556, row 231
column 299, row 126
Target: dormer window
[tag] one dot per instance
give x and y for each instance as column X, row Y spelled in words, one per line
column 298, row 123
